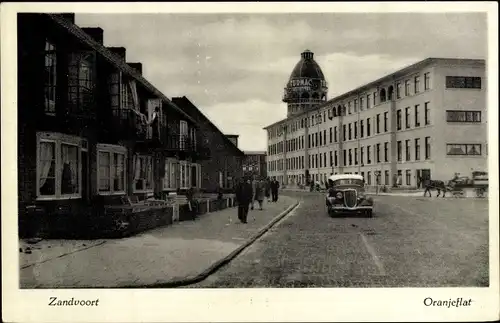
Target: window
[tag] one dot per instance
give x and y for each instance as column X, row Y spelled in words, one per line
column 355, row 156
column 427, row 115
column 350, row 157
column 369, row 178
column 386, row 177
column 336, row 158
column 335, row 134
column 417, row 148
column 378, row 153
column 316, row 139
column 171, row 178
column 368, row 129
column 408, row 177
column 331, row 158
column 344, row 132
column 50, row 78
column 355, row 129
column 350, row 131
column 398, row 90
column 400, row 154
column 355, row 105
column 368, row 155
column 345, row 158
column 361, row 107
column 362, row 129
column 407, row 118
column 398, row 119
column 427, row 147
column 111, row 174
column 183, row 138
column 386, row 151
column 417, row 116
column 58, row 166
column 368, row 101
column 324, row 137
column 427, row 81
column 407, row 88
column 417, row 84
column 331, row 135
column 378, row 123
column 320, row 139
column 361, row 155
column 143, row 173
column 407, row 147
column 386, row 121
column 463, row 149
column 463, row 82
column 349, row 106
column 463, row 116
column 81, row 81
column 374, row 98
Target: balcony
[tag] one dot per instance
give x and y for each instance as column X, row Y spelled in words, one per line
column 128, row 124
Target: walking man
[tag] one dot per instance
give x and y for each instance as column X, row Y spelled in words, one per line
column 275, row 185
column 243, row 197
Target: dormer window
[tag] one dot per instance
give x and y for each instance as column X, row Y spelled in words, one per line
column 81, row 80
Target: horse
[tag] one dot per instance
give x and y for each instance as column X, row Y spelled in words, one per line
column 436, row 185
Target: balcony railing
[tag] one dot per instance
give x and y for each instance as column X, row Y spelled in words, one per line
column 129, row 124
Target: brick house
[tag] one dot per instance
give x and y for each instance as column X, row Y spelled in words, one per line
column 225, row 163
column 91, row 127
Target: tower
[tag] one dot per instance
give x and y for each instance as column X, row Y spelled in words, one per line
column 306, row 87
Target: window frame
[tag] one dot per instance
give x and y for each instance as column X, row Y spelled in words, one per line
column 111, row 149
column 466, row 114
column 145, row 189
column 50, row 84
column 466, row 149
column 58, row 139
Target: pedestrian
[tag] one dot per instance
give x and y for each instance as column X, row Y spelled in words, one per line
column 243, row 198
column 268, row 189
column 260, row 192
column 254, row 189
column 275, row 185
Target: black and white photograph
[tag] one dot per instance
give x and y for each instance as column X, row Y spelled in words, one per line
column 222, row 149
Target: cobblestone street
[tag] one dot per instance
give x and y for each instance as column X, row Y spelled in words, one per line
column 410, row 242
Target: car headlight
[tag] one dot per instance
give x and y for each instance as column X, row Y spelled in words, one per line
column 339, row 195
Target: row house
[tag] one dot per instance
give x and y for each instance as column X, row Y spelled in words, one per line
column 90, row 126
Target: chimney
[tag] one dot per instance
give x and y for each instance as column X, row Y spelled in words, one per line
column 68, row 16
column 120, row 51
column 96, row 33
column 136, row 66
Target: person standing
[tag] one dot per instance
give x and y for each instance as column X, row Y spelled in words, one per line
column 259, row 193
column 274, row 190
column 243, row 197
column 268, row 189
column 254, row 191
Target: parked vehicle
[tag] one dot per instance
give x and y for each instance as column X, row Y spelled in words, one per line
column 346, row 195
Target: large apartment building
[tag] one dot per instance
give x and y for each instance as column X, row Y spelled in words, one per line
column 426, row 120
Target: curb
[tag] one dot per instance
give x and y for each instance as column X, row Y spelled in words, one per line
column 221, row 262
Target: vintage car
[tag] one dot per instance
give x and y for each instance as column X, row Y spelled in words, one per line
column 346, row 195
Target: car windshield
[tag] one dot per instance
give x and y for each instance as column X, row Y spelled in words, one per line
column 348, row 181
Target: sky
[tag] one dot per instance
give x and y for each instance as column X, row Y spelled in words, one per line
column 234, row 67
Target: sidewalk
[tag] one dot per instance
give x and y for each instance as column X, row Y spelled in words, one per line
column 162, row 255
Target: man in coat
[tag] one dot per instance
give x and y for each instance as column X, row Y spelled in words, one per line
column 275, row 185
column 244, row 196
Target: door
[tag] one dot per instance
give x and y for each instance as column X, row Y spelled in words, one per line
column 85, row 176
column 426, row 174
column 419, row 178
column 194, row 176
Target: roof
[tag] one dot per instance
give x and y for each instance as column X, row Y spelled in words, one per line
column 394, row 75
column 345, row 176
column 184, row 103
column 307, row 67
column 113, row 59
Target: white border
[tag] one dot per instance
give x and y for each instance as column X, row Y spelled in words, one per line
column 235, row 304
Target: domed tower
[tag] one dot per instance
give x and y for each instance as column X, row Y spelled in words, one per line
column 306, row 87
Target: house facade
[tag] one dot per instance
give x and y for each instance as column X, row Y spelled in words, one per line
column 426, row 120
column 224, row 164
column 255, row 164
column 90, row 126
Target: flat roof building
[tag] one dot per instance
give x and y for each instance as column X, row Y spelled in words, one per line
column 428, row 120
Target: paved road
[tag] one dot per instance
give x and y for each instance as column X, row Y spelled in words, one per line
column 411, row 242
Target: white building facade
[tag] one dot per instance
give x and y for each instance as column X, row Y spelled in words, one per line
column 428, row 120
